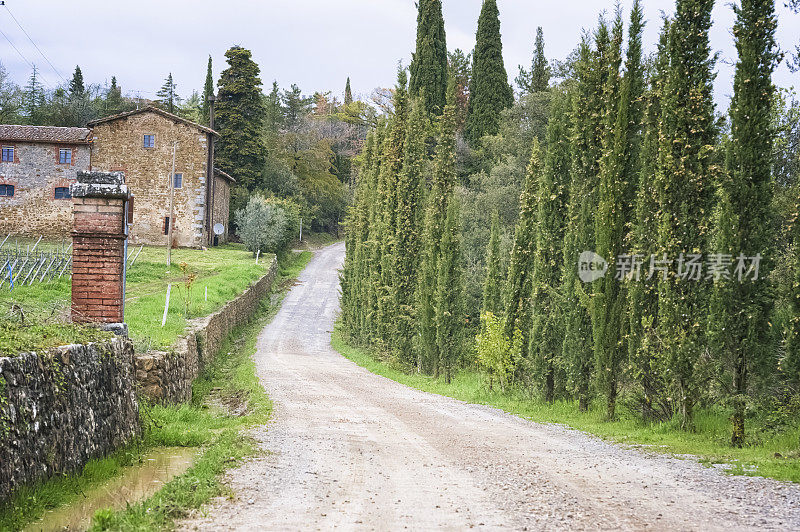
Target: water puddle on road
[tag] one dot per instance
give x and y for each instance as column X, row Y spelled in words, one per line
column 134, row 484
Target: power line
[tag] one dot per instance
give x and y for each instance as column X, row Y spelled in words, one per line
column 33, row 43
column 24, row 58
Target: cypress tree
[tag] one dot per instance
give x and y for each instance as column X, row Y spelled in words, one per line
column 790, row 365
column 449, row 300
column 489, row 91
column 76, row 86
column 410, row 191
column 240, row 119
column 492, row 286
column 519, row 288
column 114, row 98
column 429, row 64
column 617, row 167
column 741, row 308
column 373, row 242
column 547, row 332
column 537, row 79
column 444, row 179
column 684, row 179
column 208, row 92
column 348, row 93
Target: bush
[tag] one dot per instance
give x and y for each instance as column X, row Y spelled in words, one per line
column 267, row 224
column 497, row 353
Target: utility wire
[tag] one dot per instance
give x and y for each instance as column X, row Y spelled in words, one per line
column 33, row 43
column 23, row 57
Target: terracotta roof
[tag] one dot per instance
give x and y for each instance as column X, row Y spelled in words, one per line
column 220, row 173
column 45, row 134
column 158, row 111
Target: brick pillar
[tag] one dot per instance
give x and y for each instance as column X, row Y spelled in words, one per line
column 98, row 247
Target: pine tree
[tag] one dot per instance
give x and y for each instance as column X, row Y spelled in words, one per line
column 168, row 96
column 684, row 179
column 537, row 79
column 348, row 93
column 34, row 97
column 410, row 191
column 741, row 308
column 449, row 300
column 208, row 93
column 547, row 332
column 620, row 161
column 519, row 288
column 76, row 86
column 492, row 286
column 240, row 119
column 113, row 103
column 429, row 64
column 489, row 90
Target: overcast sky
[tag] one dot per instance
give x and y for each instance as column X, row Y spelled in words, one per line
column 314, row 43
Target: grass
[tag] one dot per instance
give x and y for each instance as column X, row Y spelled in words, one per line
column 225, row 271
column 773, row 454
column 227, row 399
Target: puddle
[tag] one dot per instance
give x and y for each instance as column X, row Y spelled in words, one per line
column 134, row 484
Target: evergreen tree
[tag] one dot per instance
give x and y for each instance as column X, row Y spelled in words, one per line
column 449, row 302
column 273, row 113
column 620, row 161
column 684, row 178
column 790, row 365
column 240, row 119
column 374, row 241
column 519, row 288
column 76, row 86
column 348, row 93
column 168, row 98
column 208, row 94
column 537, row 79
column 295, row 106
column 460, row 66
column 410, row 190
column 113, row 103
column 489, row 90
column 429, row 64
column 33, row 98
column 547, row 333
column 741, row 308
column 492, row 286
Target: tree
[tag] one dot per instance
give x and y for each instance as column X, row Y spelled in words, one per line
column 741, row 309
column 496, row 352
column 348, row 93
column 11, row 98
column 114, row 103
column 33, row 98
column 239, row 113
column 295, row 106
column 449, row 301
column 790, row 365
column 519, row 288
column 429, row 63
column 686, row 171
column 492, row 286
column 76, row 87
column 489, row 91
column 168, row 98
column 208, row 94
column 410, row 197
column 537, row 79
column 460, row 66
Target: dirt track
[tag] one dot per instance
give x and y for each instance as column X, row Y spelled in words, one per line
column 351, row 450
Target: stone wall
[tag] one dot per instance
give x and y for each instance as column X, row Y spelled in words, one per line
column 62, row 408
column 167, row 377
column 35, row 174
column 222, row 203
column 119, row 145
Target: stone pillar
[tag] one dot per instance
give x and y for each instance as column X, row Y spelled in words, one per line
column 98, row 248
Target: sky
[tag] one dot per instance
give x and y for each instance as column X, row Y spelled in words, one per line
column 314, row 43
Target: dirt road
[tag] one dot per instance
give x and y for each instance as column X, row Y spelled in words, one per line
column 351, row 450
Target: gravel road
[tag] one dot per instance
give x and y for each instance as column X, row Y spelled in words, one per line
column 351, row 450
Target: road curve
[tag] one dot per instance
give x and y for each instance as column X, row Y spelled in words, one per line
column 351, row 450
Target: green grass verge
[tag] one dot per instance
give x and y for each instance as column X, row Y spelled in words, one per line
column 774, row 454
column 227, row 399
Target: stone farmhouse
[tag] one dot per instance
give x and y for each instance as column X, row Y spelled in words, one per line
column 39, row 163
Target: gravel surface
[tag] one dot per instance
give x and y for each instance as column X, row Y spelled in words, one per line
column 348, row 449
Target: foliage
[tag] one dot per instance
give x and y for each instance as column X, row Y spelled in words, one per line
column 537, row 79
column 266, row 224
column 429, row 65
column 168, row 98
column 497, row 354
column 492, row 285
column 208, row 94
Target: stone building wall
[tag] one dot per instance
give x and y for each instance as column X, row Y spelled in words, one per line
column 222, row 202
column 61, row 408
column 35, row 174
column 167, row 377
column 119, row 145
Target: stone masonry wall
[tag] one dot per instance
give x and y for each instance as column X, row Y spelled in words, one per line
column 35, row 174
column 119, row 145
column 61, row 408
column 222, row 202
column 168, row 377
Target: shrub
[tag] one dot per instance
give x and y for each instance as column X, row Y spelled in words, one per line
column 265, row 224
column 497, row 353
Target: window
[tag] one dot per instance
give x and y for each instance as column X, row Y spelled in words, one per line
column 65, row 156
column 62, row 193
column 7, row 191
column 166, row 225
column 178, row 181
column 8, row 154
column 149, row 141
